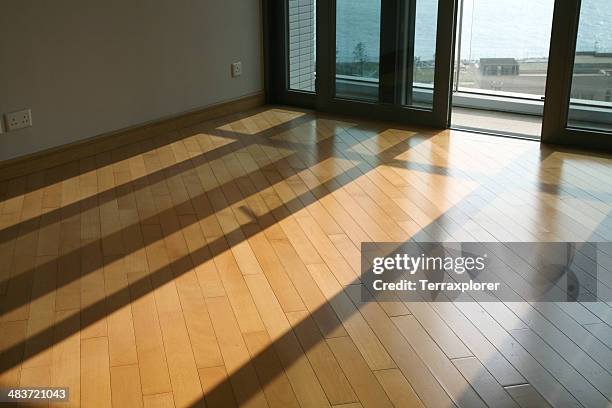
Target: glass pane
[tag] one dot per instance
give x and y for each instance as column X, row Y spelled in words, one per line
column 420, row 87
column 302, row 43
column 503, row 48
column 591, row 94
column 357, row 48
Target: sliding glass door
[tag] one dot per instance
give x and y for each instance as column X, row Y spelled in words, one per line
column 578, row 108
column 393, row 60
column 389, row 59
column 404, row 51
column 383, row 59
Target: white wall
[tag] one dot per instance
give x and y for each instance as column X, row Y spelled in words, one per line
column 94, row 66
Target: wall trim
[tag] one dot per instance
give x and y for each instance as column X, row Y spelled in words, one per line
column 45, row 159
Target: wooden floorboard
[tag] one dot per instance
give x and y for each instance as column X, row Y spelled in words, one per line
column 219, row 265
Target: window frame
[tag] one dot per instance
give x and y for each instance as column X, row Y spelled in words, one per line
column 555, row 128
column 324, row 99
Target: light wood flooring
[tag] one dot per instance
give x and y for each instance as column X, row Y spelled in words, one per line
column 497, row 122
column 219, row 266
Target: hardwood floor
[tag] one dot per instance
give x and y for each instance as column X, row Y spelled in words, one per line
column 525, row 126
column 219, row 266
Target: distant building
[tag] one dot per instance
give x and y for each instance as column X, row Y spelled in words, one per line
column 592, row 79
column 498, row 66
column 590, row 62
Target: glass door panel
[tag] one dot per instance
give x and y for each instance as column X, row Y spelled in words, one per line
column 357, row 49
column 302, row 44
column 421, row 17
column 590, row 105
column 503, row 47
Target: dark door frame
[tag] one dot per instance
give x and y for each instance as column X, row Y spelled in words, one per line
column 555, row 129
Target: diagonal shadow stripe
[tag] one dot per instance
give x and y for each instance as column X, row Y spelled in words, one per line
column 31, row 224
column 142, row 286
column 45, row 339
column 324, row 150
column 386, row 159
column 242, row 141
column 13, row 187
column 267, row 377
column 104, row 307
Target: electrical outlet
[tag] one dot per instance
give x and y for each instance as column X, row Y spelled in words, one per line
column 236, row 69
column 18, row 120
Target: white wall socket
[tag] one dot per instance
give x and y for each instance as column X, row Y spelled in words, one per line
column 236, row 69
column 18, row 120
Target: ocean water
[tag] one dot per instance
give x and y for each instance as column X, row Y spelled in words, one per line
column 491, row 28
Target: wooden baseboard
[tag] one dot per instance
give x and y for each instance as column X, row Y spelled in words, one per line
column 45, row 159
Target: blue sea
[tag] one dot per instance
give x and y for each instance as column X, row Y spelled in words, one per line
column 491, row 28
